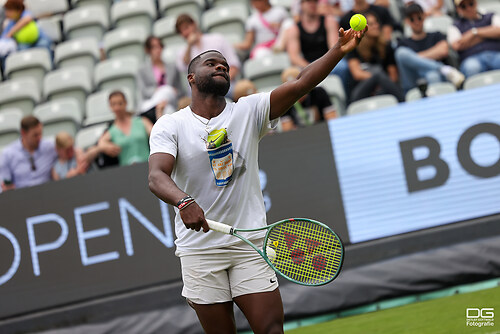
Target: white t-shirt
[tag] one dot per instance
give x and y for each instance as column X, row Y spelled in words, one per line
column 274, row 16
column 240, row 202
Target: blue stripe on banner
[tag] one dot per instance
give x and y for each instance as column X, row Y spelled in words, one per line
column 372, row 174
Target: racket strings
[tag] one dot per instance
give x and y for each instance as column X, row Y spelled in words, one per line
column 306, row 252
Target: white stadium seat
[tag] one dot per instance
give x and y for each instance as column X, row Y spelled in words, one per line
column 127, row 41
column 134, row 13
column 482, row 79
column 59, row 115
column 22, row 93
column 72, row 82
column 164, row 29
column 82, row 51
column 88, row 21
column 433, row 89
column 371, row 103
column 46, row 7
column 89, row 136
column 176, row 7
column 119, row 73
column 266, row 71
column 227, row 20
column 33, row 63
column 10, row 125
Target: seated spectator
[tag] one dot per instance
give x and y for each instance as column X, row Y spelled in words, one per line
column 383, row 14
column 264, row 29
column 71, row 161
column 20, row 25
column 312, row 108
column 27, row 162
column 312, row 37
column 159, row 83
column 198, row 42
column 373, row 66
column 476, row 38
column 430, row 7
column 243, row 87
column 128, row 136
column 422, row 55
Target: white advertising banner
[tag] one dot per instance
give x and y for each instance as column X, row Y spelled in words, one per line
column 419, row 165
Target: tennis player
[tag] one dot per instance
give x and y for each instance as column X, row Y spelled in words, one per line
column 204, row 162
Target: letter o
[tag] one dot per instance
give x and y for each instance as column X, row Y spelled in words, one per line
column 17, row 255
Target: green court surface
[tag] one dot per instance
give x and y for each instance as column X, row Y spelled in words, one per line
column 434, row 316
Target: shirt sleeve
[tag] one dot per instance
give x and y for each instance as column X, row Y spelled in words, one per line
column 163, row 138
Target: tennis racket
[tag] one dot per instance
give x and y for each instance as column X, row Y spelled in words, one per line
column 301, row 250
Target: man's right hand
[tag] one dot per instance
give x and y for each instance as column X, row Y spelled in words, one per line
column 193, row 218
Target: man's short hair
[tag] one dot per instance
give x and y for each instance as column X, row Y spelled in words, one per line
column 16, row 5
column 413, row 8
column 182, row 19
column 196, row 60
column 117, row 93
column 29, row 122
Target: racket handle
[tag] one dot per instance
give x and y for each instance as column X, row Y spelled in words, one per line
column 219, row 227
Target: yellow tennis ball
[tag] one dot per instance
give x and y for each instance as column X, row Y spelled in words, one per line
column 217, row 137
column 358, row 22
column 271, row 253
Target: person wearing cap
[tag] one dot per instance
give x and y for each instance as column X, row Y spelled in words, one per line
column 422, row 54
column 476, row 38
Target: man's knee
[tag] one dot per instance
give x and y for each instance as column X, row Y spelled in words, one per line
column 471, row 66
column 403, row 54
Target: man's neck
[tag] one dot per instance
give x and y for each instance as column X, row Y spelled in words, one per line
column 360, row 7
column 310, row 18
column 208, row 106
column 418, row 36
column 26, row 147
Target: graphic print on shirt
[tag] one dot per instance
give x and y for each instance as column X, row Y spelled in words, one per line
column 220, row 153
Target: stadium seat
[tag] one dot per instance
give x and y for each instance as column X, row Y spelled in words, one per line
column 371, row 103
column 52, row 27
column 266, row 71
column 489, row 7
column 59, row 115
column 482, row 79
column 86, row 3
column 164, row 29
column 335, row 89
column 97, row 107
column 127, row 41
column 89, row 136
column 72, row 82
column 22, row 93
column 134, row 13
column 10, row 126
column 438, row 23
column 119, row 73
column 88, row 21
column 222, row 3
column 170, row 53
column 82, row 51
column 176, row 7
column 40, row 8
column 228, row 20
column 34, row 63
column 433, row 89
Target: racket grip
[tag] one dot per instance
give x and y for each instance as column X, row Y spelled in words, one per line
column 219, row 227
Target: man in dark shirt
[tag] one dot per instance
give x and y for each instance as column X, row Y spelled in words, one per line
column 422, row 55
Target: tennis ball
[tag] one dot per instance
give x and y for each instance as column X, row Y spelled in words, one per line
column 216, row 138
column 358, row 22
column 271, row 254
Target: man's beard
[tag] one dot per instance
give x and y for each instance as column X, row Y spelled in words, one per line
column 210, row 86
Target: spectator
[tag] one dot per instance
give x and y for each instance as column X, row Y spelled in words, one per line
column 476, row 38
column 243, row 87
column 363, row 7
column 313, row 107
column 312, row 37
column 71, row 161
column 422, row 54
column 159, row 83
column 21, row 26
column 128, row 136
column 372, row 64
column 430, row 7
column 27, row 162
column 197, row 42
column 264, row 29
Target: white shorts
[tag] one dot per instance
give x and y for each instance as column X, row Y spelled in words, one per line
column 218, row 276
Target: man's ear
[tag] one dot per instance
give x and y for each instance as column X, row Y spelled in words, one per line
column 190, row 78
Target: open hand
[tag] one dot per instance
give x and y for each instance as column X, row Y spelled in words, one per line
column 349, row 39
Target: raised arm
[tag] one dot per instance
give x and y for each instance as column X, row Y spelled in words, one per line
column 283, row 97
column 162, row 185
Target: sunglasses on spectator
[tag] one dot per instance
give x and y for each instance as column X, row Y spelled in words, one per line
column 416, row 18
column 464, row 4
column 32, row 162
